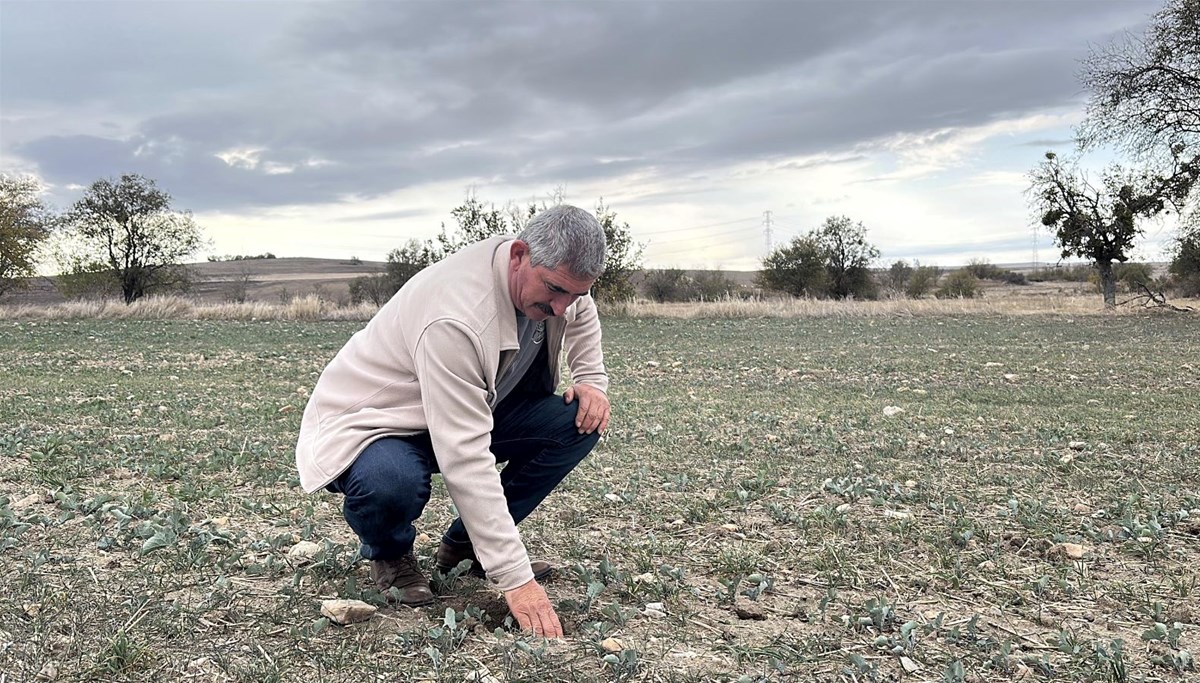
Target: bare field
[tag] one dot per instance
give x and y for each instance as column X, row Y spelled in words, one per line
column 948, row 495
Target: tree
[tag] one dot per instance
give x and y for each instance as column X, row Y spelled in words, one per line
column 1146, row 90
column 797, row 268
column 25, row 223
column 1185, row 266
column 1100, row 223
column 622, row 256
column 898, row 275
column 922, row 281
column 402, row 264
column 847, row 256
column 130, row 227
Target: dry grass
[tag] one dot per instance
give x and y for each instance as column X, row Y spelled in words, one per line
column 311, row 307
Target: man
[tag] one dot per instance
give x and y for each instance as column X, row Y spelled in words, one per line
column 456, row 373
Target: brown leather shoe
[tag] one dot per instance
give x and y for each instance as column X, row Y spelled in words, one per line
column 448, row 557
column 404, row 575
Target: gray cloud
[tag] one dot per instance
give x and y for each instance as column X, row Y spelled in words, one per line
column 364, row 98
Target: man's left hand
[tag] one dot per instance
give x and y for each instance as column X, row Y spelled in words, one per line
column 593, row 411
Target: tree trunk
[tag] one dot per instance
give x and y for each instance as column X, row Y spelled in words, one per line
column 1108, row 283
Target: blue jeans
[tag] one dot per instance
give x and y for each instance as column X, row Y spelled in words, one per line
column 387, row 486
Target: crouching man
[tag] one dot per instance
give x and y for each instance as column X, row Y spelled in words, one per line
column 456, row 373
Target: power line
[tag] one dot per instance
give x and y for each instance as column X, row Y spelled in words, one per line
column 697, row 227
column 693, row 238
column 767, row 230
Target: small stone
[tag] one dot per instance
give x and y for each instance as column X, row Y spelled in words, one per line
column 287, row 409
column 909, row 665
column 31, row 499
column 920, row 392
column 1093, row 401
column 897, row 514
column 987, row 565
column 749, row 612
column 652, row 364
column 1068, row 551
column 422, row 539
column 658, row 606
column 1081, row 509
column 612, row 498
column 892, row 411
column 345, row 612
column 644, row 578
column 1008, row 376
column 1023, row 673
column 993, row 364
column 729, row 527
column 167, row 437
column 32, row 609
column 611, row 645
column 1067, row 459
column 1077, row 445
column 655, row 614
column 910, row 484
column 949, row 431
column 843, row 508
column 49, row 672
column 304, row 551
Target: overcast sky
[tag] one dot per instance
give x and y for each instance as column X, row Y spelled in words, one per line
column 342, row 129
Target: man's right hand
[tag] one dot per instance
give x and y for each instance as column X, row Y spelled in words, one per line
column 531, row 607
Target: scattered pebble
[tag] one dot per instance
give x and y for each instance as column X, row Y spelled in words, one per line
column 1068, row 551
column 1010, row 377
column 1077, row 445
column 1093, row 401
column 909, row 665
column 611, row 645
column 652, row 364
column 1081, row 509
column 729, row 527
column 304, row 551
column 612, row 498
column 31, row 499
column 347, row 611
column 49, row 672
column 892, row 411
column 897, row 514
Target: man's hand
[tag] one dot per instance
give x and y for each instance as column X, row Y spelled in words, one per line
column 593, row 411
column 531, row 607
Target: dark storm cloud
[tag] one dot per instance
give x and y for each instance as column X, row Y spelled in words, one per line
column 360, row 99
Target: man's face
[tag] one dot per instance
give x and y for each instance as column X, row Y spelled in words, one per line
column 539, row 292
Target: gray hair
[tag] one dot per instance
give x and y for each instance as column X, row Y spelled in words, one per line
column 566, row 235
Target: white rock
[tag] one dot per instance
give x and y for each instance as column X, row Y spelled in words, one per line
column 897, row 514
column 892, row 411
column 655, row 614
column 644, row 578
column 993, row 364
column 304, row 551
column 347, row 611
column 843, row 508
column 612, row 498
column 31, row 499
column 1010, row 377
column 482, row 675
column 1070, row 551
column 909, row 665
column 49, row 672
column 1077, row 445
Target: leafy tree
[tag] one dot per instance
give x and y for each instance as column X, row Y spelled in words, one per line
column 1185, row 266
column 25, row 223
column 898, row 275
column 847, row 256
column 129, row 226
column 797, row 268
column 622, row 255
column 922, row 281
column 1100, row 223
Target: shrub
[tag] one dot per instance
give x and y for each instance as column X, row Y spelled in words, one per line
column 961, row 284
column 922, row 281
column 1134, row 275
column 663, row 285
